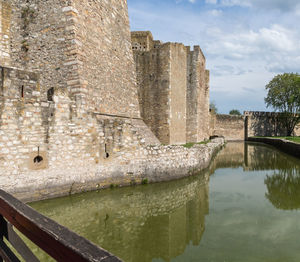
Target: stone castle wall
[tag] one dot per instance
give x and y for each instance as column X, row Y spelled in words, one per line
column 232, row 127
column 197, row 96
column 266, row 124
column 105, row 63
column 48, row 118
column 250, row 124
column 173, row 89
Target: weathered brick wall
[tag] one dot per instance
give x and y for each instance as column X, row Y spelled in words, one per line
column 31, row 127
column 42, row 42
column 5, row 17
column 106, row 65
column 229, row 126
column 266, row 124
column 153, row 70
column 177, row 99
column 197, row 96
column 173, row 89
column 47, row 105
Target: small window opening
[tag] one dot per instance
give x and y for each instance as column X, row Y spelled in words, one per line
column 106, row 154
column 22, row 91
column 38, row 159
column 50, row 94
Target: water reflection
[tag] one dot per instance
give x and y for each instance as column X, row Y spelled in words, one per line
column 167, row 221
column 284, row 189
column 156, row 221
column 253, row 157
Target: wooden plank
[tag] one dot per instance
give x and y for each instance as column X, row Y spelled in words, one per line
column 59, row 242
column 7, row 254
column 19, row 245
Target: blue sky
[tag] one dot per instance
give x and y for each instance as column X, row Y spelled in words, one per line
column 246, row 42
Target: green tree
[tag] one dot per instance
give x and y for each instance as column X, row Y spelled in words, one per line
column 284, row 97
column 235, row 112
column 213, row 107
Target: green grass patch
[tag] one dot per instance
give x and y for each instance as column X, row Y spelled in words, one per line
column 190, row 145
column 295, row 139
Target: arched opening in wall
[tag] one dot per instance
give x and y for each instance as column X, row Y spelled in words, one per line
column 38, row 159
column 50, row 94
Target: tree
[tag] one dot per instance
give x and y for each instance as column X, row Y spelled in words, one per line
column 235, row 112
column 284, row 97
column 213, row 107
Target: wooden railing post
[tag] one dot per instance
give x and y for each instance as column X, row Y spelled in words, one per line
column 3, row 231
column 58, row 241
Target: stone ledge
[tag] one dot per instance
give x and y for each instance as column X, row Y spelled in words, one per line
column 161, row 167
column 286, row 146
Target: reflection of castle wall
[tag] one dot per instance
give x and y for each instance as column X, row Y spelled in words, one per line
column 252, row 157
column 232, row 155
column 151, row 222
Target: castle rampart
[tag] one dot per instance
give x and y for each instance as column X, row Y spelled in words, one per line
column 173, row 87
column 70, row 114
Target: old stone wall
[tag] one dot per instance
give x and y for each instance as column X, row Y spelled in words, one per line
column 106, row 68
column 173, row 89
column 48, row 121
column 5, row 17
column 266, row 124
column 177, row 99
column 153, row 70
column 232, row 127
column 150, row 163
column 197, row 122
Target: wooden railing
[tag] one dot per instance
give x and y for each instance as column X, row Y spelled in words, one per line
column 58, row 241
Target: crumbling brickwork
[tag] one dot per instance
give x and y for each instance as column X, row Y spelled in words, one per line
column 68, row 93
column 173, row 89
column 265, row 124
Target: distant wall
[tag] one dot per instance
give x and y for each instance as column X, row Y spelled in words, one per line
column 229, row 126
column 173, row 89
column 265, row 124
column 153, row 70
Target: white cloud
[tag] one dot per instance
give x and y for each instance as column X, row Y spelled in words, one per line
column 244, row 49
column 213, row 2
column 216, row 12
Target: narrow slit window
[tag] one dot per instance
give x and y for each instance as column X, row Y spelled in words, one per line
column 50, row 94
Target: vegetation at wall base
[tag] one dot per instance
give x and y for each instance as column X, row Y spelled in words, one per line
column 190, row 145
column 295, row 139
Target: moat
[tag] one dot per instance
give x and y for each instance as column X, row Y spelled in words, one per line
column 244, row 207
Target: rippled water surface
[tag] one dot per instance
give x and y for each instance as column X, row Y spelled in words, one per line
column 245, row 207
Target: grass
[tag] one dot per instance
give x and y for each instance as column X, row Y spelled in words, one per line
column 190, row 145
column 295, row 139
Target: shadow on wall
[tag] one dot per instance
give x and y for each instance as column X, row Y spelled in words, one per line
column 266, row 124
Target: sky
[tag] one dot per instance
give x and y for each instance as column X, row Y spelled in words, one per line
column 246, row 42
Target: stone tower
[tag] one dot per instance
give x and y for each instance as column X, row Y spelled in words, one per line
column 173, row 88
column 68, row 85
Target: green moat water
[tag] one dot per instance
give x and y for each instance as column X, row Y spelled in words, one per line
column 245, row 207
